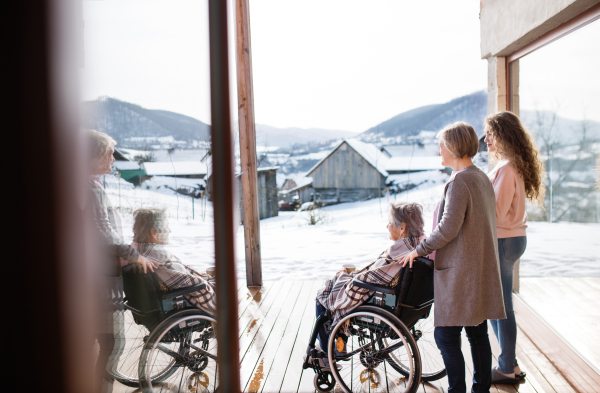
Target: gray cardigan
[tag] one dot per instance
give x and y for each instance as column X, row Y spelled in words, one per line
column 467, row 286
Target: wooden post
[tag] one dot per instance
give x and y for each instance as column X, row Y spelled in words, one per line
column 223, row 204
column 249, row 178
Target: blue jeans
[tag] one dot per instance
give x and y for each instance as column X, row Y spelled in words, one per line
column 448, row 340
column 509, row 250
column 323, row 337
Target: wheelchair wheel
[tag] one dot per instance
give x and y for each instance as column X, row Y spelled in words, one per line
column 366, row 361
column 324, row 382
column 432, row 364
column 130, row 341
column 186, row 342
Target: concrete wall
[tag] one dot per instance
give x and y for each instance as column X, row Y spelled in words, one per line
column 508, row 25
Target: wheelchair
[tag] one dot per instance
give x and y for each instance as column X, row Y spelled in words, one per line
column 165, row 339
column 386, row 344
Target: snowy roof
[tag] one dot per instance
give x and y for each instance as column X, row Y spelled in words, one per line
column 175, row 168
column 302, row 183
column 414, row 163
column 375, row 157
column 271, row 168
column 127, row 165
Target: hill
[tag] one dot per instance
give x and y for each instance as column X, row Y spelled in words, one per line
column 123, row 120
column 471, row 108
column 286, row 137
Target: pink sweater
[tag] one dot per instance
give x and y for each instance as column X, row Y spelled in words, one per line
column 509, row 188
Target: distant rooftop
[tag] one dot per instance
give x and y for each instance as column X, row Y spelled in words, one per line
column 176, row 168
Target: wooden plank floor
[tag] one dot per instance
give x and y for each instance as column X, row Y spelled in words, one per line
column 569, row 305
column 275, row 324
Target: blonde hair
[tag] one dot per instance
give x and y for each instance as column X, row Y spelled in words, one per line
column 99, row 144
column 408, row 213
column 517, row 146
column 146, row 218
column 460, row 139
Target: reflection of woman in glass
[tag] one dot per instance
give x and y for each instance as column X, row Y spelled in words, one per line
column 340, row 297
column 516, row 178
column 150, row 236
column 112, row 250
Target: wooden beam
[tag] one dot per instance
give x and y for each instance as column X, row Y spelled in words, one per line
column 223, row 194
column 248, row 159
column 586, row 17
column 38, row 40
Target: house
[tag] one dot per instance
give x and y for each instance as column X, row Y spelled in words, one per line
column 304, row 190
column 129, row 171
column 267, row 193
column 409, row 164
column 353, row 171
column 267, row 190
column 186, row 169
column 296, row 196
column 288, row 184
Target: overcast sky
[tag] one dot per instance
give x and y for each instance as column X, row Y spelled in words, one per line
column 345, row 65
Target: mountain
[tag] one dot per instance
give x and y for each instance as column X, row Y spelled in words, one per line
column 286, row 137
column 123, row 120
column 471, row 108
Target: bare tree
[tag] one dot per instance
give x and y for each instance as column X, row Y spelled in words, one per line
column 569, row 161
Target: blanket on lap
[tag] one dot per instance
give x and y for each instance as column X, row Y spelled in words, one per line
column 341, row 297
column 171, row 274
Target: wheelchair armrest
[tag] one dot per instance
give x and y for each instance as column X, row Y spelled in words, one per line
column 426, row 261
column 374, row 287
column 183, row 291
column 416, row 308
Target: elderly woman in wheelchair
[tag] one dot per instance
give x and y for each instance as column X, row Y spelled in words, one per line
column 368, row 321
column 170, row 330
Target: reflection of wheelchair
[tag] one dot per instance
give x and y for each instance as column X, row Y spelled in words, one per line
column 165, row 338
column 384, row 345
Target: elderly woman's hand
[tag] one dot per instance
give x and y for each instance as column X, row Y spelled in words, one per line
column 146, row 263
column 409, row 258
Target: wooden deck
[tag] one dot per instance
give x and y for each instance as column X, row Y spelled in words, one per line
column 275, row 324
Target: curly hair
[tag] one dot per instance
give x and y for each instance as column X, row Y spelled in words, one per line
column 515, row 144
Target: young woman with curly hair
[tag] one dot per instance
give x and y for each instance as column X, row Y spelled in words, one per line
column 518, row 176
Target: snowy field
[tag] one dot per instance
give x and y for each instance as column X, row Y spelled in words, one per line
column 352, row 233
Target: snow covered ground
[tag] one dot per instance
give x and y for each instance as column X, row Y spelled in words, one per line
column 352, row 233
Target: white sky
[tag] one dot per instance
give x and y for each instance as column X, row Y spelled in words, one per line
column 331, row 64
column 345, row 65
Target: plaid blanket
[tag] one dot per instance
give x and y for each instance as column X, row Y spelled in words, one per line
column 341, row 297
column 171, row 274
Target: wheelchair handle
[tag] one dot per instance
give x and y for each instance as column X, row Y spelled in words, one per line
column 428, row 262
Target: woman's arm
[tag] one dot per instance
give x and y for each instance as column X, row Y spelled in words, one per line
column 505, row 186
column 455, row 207
column 104, row 227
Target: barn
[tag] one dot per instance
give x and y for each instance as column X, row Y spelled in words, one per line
column 353, row 171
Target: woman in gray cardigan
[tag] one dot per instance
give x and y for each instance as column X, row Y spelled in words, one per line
column 467, row 284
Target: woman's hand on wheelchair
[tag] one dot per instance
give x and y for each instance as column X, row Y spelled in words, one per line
column 146, row 263
column 409, row 258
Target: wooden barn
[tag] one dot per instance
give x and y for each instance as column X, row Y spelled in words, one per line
column 353, row 171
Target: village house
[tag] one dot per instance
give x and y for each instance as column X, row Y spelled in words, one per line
column 353, row 171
